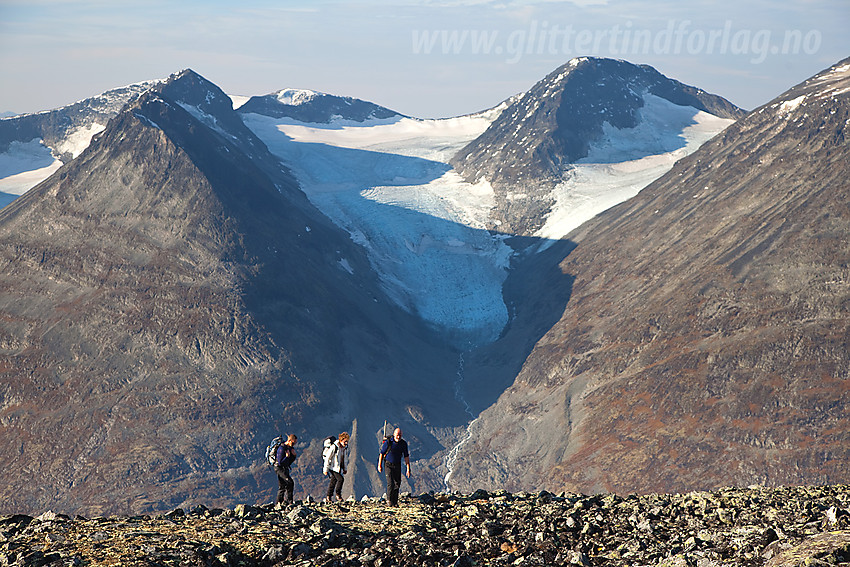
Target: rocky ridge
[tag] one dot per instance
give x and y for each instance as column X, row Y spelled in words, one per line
column 751, row 526
column 55, row 127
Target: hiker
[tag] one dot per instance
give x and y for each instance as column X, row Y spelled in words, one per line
column 284, row 458
column 392, row 450
column 334, row 466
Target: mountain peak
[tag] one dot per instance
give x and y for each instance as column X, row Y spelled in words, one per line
column 190, row 88
column 315, row 107
column 295, row 97
column 534, row 143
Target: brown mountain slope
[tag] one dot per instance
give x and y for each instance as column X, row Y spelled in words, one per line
column 705, row 341
column 169, row 301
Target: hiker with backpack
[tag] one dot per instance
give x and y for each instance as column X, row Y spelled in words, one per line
column 333, row 454
column 284, row 456
column 392, row 451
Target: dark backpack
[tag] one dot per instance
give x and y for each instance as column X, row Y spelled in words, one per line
column 271, row 450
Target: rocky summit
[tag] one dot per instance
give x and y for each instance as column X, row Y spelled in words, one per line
column 752, row 526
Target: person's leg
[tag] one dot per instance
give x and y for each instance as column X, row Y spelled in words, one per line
column 281, row 485
column 340, row 480
column 289, row 487
column 331, row 485
column 388, row 468
column 393, row 483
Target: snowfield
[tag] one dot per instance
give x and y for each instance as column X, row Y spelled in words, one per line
column 388, row 183
column 24, row 166
column 625, row 161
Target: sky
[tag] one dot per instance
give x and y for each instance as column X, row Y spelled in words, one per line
column 423, row 58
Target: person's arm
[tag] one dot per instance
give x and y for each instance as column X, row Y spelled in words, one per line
column 407, row 460
column 385, row 446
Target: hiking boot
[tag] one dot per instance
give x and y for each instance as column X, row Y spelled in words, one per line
column 328, row 500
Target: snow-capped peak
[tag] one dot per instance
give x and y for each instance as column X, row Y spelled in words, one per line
column 296, row 97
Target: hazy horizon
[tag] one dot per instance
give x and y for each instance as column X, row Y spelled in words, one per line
column 419, row 57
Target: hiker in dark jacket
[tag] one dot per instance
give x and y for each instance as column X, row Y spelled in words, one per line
column 392, row 451
column 284, row 458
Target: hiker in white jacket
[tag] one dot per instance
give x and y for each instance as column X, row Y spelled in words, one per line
column 334, row 465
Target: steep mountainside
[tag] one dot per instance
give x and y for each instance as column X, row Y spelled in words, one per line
column 169, row 301
column 705, row 340
column 531, row 147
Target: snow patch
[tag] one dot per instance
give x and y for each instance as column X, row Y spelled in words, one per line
column 296, row 97
column 25, row 165
column 237, row 100
column 146, row 121
column 79, row 139
column 610, row 175
column 789, row 106
column 204, row 118
column 346, row 265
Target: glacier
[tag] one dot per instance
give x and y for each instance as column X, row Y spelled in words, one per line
column 388, row 184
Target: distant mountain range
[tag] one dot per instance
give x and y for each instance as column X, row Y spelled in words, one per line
column 195, row 280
